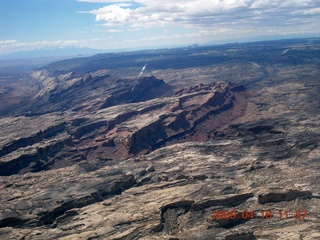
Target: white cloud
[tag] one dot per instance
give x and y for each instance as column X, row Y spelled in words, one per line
column 115, row 30
column 204, row 13
column 312, row 11
column 114, row 14
column 189, row 21
column 8, row 42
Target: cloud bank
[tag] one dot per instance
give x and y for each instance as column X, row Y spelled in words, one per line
column 265, row 16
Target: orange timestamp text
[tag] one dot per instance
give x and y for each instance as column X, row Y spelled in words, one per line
column 264, row 214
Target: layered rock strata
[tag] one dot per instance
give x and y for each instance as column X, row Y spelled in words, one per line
column 61, row 139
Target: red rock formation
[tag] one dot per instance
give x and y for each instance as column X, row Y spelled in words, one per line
column 198, row 115
column 132, row 127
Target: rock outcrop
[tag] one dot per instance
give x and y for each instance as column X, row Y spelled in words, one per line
column 121, row 131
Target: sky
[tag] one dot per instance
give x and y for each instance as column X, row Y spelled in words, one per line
column 141, row 24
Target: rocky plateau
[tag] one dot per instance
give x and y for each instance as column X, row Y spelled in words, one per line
column 95, row 152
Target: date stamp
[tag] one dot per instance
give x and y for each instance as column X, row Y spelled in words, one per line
column 264, row 214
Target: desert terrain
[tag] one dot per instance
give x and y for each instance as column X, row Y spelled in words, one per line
column 215, row 142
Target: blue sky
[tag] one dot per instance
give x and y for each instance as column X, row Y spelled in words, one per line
column 116, row 24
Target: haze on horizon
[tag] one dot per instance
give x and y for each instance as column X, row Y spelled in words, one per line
column 140, row 24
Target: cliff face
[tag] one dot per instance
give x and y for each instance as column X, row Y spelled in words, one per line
column 64, row 90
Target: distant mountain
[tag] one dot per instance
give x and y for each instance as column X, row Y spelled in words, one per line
column 270, row 43
column 52, row 52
